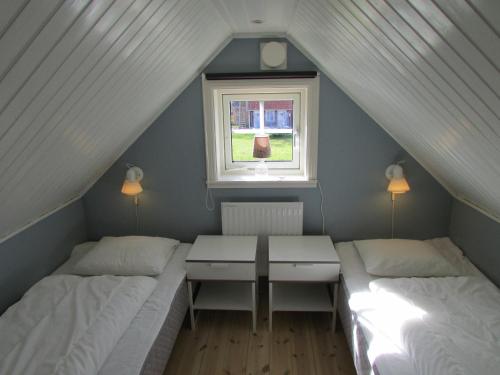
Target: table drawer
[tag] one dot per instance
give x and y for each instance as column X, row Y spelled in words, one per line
column 304, row 271
column 220, row 271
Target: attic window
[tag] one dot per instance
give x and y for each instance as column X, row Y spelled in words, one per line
column 285, row 110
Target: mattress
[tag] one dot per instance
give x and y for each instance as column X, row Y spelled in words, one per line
column 355, row 285
column 145, row 346
column 354, row 279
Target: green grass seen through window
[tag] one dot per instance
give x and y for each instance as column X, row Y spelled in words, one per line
column 281, row 147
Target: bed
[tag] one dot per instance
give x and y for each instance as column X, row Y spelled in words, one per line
column 146, row 343
column 432, row 325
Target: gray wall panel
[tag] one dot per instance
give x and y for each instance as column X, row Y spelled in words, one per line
column 353, row 154
column 478, row 236
column 37, row 251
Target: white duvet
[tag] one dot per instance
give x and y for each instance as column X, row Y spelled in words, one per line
column 433, row 326
column 69, row 324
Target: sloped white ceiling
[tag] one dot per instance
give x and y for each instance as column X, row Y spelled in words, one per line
column 81, row 79
column 427, row 71
column 243, row 15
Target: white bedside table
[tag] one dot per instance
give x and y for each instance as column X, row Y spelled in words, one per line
column 225, row 266
column 301, row 269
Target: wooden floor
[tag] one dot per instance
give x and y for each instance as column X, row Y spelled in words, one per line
column 301, row 343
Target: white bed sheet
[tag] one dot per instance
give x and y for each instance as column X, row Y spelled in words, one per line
column 132, row 349
column 357, row 282
column 67, row 324
column 443, row 325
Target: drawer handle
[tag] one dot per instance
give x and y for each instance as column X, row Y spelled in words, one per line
column 303, row 264
column 218, row 265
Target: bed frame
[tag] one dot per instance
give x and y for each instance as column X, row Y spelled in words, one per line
column 158, row 355
column 354, row 334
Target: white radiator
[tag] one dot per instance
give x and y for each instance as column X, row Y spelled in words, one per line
column 262, row 219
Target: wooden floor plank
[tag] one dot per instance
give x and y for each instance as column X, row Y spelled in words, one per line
column 217, row 345
column 258, row 355
column 239, row 336
column 189, row 351
column 324, row 348
column 343, row 356
column 303, row 351
column 223, row 344
column 282, row 348
column 182, row 346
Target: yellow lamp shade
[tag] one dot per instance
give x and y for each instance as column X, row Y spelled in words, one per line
column 131, row 187
column 398, row 186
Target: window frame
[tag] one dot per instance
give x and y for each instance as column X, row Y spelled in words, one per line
column 241, row 174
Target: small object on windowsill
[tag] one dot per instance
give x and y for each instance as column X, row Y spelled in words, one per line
column 261, row 146
column 262, row 151
column 261, row 169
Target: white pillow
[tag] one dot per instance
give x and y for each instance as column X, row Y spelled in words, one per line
column 403, row 258
column 79, row 251
column 83, row 248
column 127, row 256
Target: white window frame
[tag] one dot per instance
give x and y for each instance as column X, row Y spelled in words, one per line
column 222, row 171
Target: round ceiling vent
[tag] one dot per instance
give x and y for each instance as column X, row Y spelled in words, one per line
column 273, row 54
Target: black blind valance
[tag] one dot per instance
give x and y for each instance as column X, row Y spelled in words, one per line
column 260, row 75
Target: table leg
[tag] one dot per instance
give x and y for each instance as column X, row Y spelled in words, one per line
column 191, row 307
column 254, row 308
column 270, row 307
column 335, row 303
column 257, row 290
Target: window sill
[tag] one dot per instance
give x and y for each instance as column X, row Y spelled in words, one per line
column 260, row 183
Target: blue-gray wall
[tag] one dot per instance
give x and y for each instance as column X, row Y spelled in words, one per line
column 353, row 155
column 478, row 236
column 39, row 250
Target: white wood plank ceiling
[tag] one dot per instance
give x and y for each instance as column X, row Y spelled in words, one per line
column 80, row 80
column 244, row 16
column 427, row 71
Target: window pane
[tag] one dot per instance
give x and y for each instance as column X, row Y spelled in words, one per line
column 278, row 123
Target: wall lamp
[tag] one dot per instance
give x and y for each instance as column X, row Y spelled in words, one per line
column 397, row 185
column 132, row 183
